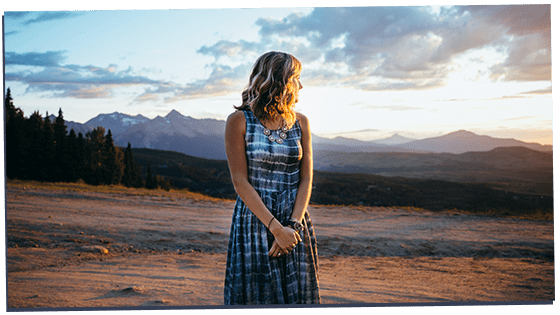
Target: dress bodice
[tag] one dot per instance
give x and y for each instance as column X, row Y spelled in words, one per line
column 272, row 166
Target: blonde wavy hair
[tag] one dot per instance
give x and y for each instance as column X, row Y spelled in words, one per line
column 273, row 87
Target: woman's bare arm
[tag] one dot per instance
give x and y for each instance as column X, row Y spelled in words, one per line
column 306, row 171
column 237, row 162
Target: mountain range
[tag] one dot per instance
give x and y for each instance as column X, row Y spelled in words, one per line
column 205, row 137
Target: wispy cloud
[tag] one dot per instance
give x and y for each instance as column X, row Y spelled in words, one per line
column 222, row 80
column 17, row 14
column 46, row 59
column 520, row 118
column 50, row 16
column 397, row 107
column 454, row 100
column 539, row 92
column 74, row 81
column 230, row 49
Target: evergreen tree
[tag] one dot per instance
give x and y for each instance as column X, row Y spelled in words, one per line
column 72, row 157
column 127, row 179
column 31, row 146
column 81, row 157
column 119, row 161
column 132, row 174
column 49, row 151
column 137, row 180
column 110, row 169
column 95, row 140
column 14, row 135
column 61, row 155
column 151, row 181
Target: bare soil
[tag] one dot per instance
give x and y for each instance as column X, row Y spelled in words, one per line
column 88, row 249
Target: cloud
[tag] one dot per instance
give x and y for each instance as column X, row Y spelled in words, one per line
column 509, row 97
column 540, row 91
column 84, row 82
column 73, row 81
column 152, row 93
column 528, row 40
column 454, row 100
column 520, row 118
column 229, row 49
column 49, row 58
column 389, row 107
column 16, row 14
column 49, row 16
column 394, row 43
column 223, row 80
column 519, row 19
column 402, row 48
column 395, row 107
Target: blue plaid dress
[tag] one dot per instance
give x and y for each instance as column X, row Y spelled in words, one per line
column 253, row 277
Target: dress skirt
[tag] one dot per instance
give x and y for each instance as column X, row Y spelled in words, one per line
column 252, row 276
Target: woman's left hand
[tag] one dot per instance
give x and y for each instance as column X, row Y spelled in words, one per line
column 275, row 250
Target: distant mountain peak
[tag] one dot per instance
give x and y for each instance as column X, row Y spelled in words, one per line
column 462, row 132
column 395, row 139
column 174, row 113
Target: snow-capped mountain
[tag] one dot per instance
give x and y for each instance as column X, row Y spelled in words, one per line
column 205, row 137
column 175, row 132
column 117, row 122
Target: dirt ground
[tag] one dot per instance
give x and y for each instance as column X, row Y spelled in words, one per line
column 68, row 249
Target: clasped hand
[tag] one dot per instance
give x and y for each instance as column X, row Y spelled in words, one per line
column 285, row 239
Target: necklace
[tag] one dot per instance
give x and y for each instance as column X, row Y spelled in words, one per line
column 281, row 134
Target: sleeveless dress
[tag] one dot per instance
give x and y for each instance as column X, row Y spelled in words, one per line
column 252, row 276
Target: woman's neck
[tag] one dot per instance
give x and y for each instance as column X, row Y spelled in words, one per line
column 274, row 123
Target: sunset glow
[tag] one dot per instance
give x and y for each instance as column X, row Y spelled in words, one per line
column 368, row 72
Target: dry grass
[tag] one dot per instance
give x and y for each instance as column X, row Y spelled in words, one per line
column 111, row 189
column 183, row 193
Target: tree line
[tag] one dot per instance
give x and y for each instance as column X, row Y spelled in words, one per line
column 40, row 149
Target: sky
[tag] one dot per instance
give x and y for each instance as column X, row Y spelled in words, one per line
column 368, row 71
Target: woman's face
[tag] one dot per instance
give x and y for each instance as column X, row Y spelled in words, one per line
column 297, row 86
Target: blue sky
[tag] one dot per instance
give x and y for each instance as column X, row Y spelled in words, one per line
column 368, row 72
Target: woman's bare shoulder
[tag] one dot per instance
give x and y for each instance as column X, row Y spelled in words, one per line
column 237, row 117
column 303, row 121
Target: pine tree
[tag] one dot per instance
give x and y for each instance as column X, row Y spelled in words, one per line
column 49, row 152
column 14, row 135
column 61, row 155
column 94, row 156
column 151, row 182
column 137, row 180
column 132, row 174
column 119, row 161
column 109, row 164
column 31, row 147
column 72, row 157
column 127, row 179
column 81, row 157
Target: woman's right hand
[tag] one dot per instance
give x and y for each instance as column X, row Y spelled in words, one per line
column 285, row 237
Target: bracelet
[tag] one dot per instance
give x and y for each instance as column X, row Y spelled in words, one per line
column 268, row 226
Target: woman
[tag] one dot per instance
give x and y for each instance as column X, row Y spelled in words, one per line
column 272, row 251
